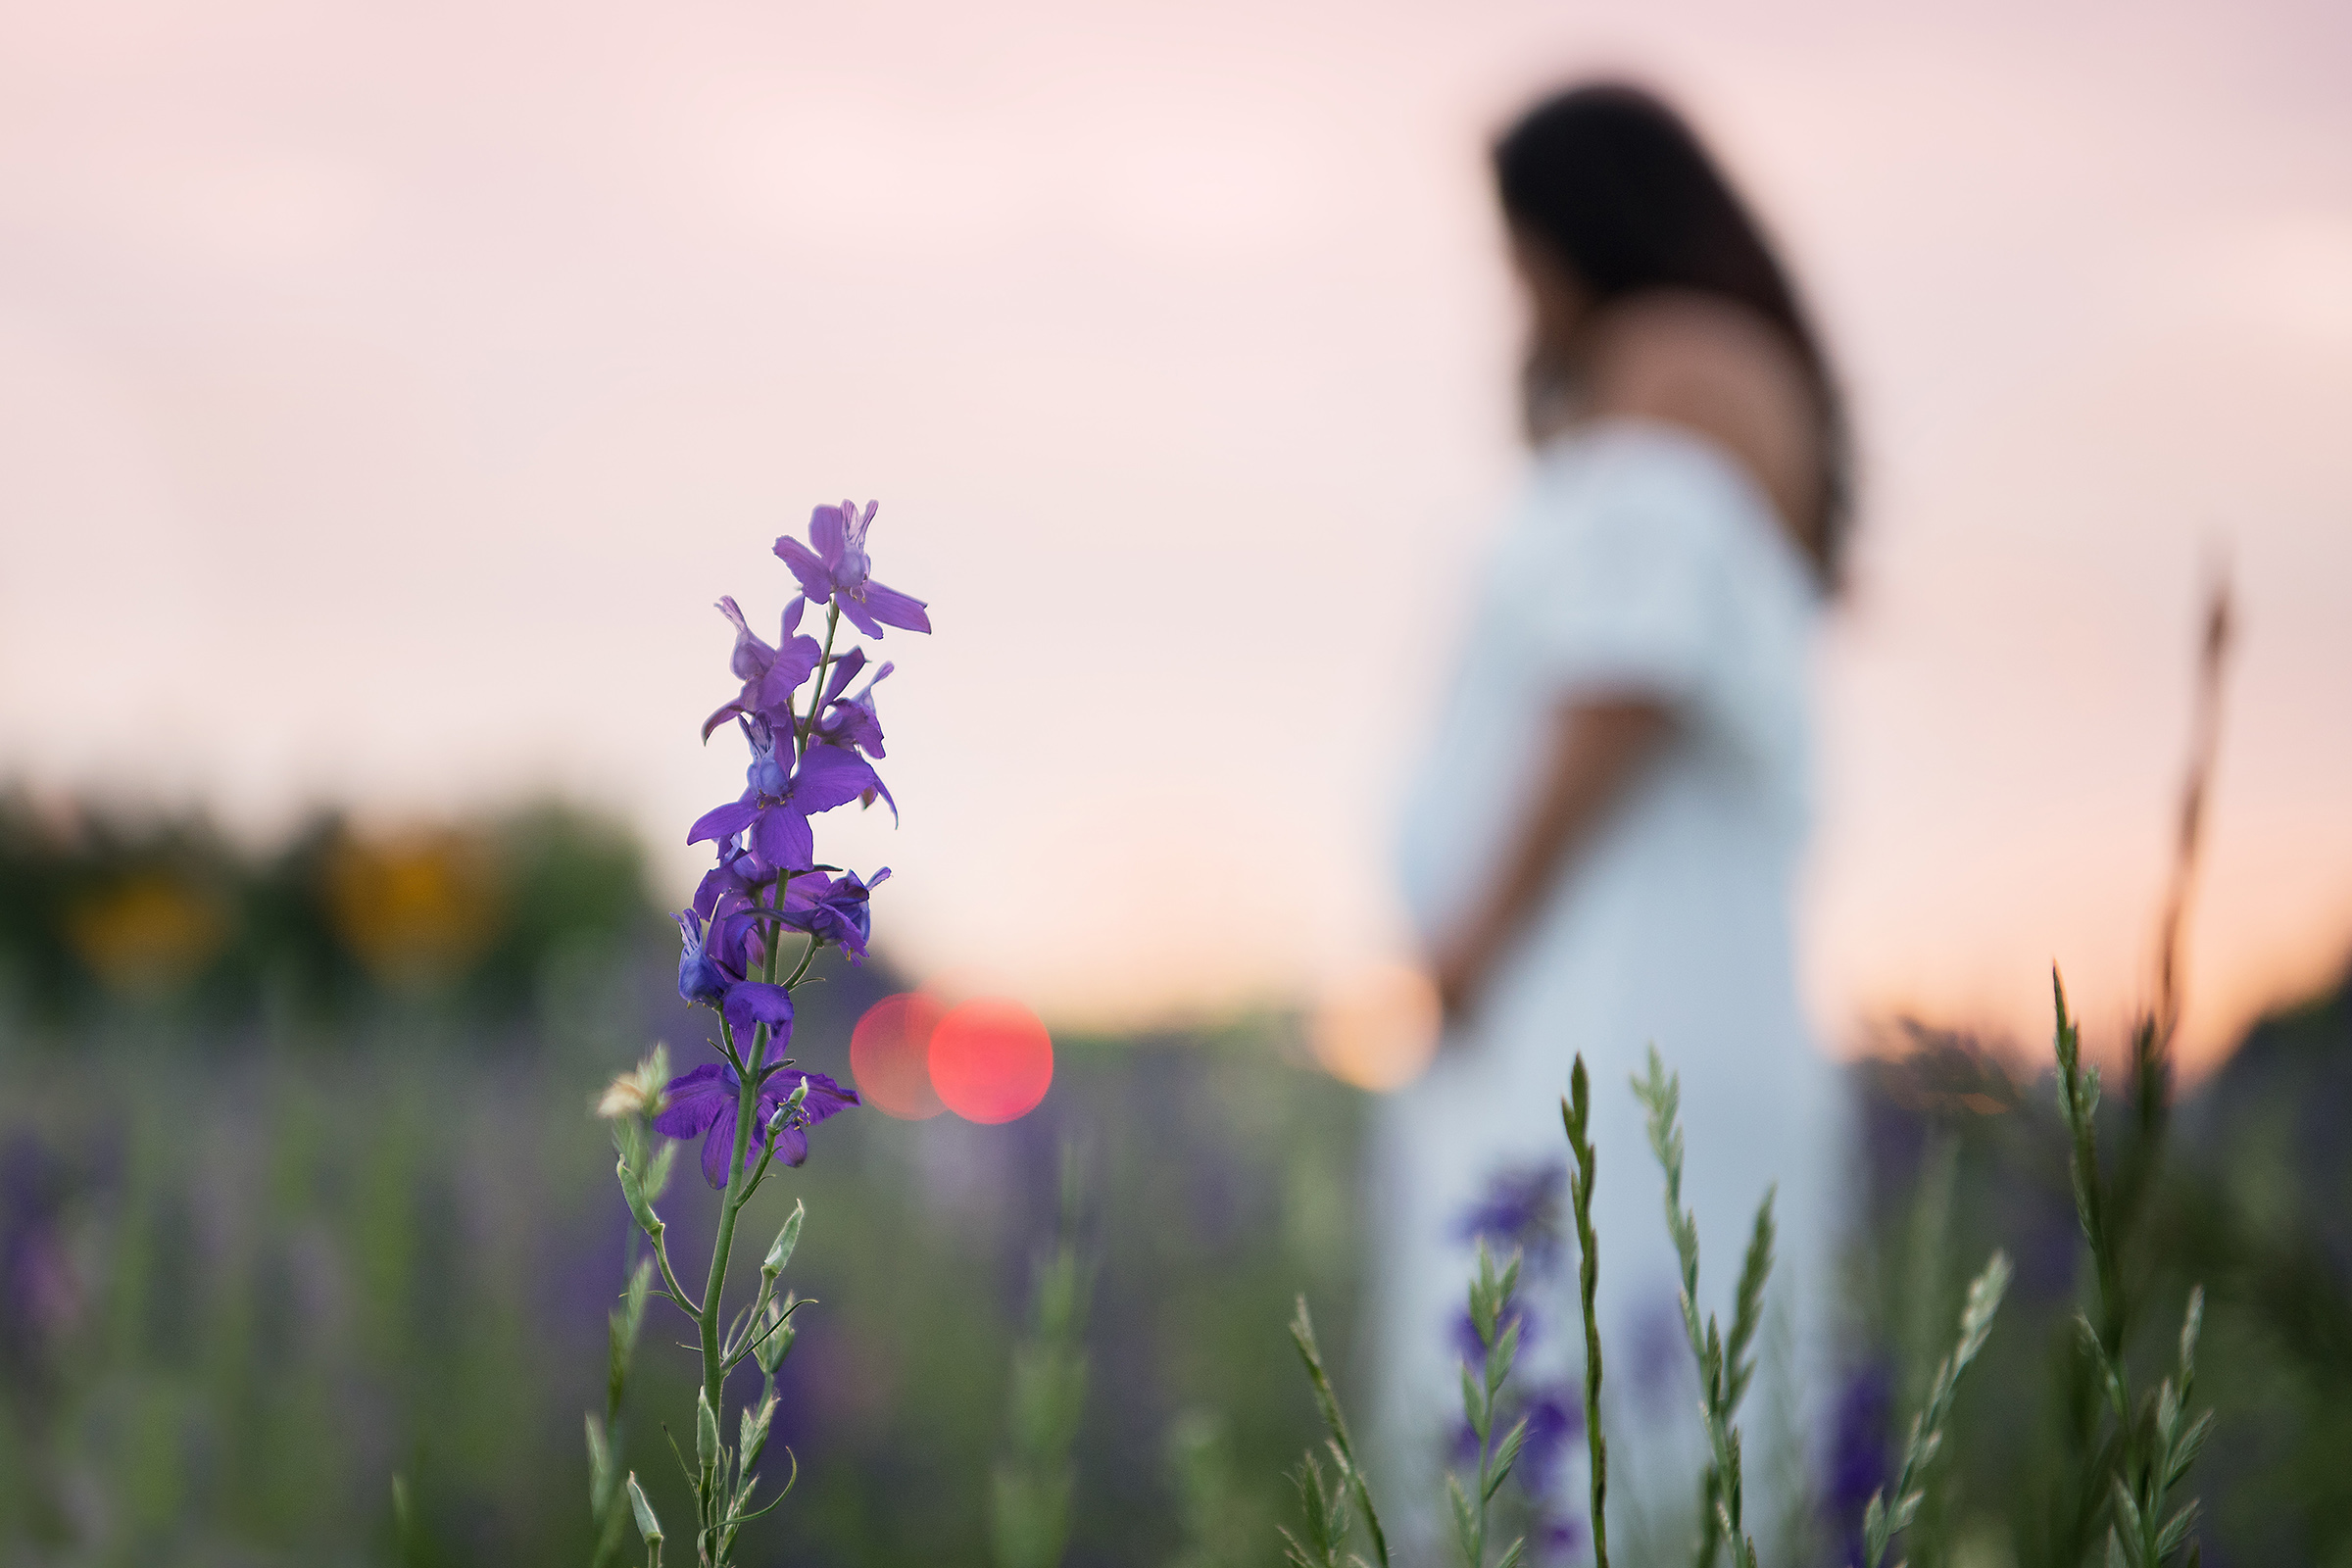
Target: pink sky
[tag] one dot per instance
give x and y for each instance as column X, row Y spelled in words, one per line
column 385, row 394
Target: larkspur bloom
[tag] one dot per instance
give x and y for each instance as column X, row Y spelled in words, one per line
column 703, row 1101
column 780, row 796
column 769, row 675
column 735, row 883
column 838, row 571
column 1519, row 1212
column 852, row 721
column 833, row 909
column 711, row 973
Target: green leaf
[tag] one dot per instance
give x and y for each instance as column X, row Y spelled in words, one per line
column 752, row 1438
column 1506, row 1455
column 2191, row 1443
column 1465, row 1520
column 1475, row 1408
column 600, row 1468
column 2177, row 1528
column 2127, row 1511
column 1875, row 1530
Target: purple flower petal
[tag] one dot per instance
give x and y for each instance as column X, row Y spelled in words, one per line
column 825, row 1096
column 750, row 656
column 892, row 608
column 694, row 1099
column 791, row 617
column 829, row 776
column 828, row 530
column 792, row 1146
column 731, row 710
column 845, row 671
column 793, row 664
column 722, row 822
column 719, row 1147
column 855, row 612
column 883, row 790
column 781, row 836
column 816, row 580
column 756, row 1002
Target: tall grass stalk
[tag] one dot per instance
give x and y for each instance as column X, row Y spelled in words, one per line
column 1880, row 1523
column 1323, row 1537
column 1029, row 1513
column 1576, row 1114
column 2149, row 1450
column 1724, row 1366
column 1498, row 1336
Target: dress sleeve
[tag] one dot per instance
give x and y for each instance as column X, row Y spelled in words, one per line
column 1620, row 581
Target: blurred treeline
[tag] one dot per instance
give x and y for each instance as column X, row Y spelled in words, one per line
column 298, row 1187
column 106, row 913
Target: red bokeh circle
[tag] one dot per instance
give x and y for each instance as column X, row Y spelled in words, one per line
column 991, row 1059
column 890, row 1056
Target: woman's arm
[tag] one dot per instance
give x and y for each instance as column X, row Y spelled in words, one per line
column 1597, row 746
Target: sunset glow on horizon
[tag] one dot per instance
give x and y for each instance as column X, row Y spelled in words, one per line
column 387, row 397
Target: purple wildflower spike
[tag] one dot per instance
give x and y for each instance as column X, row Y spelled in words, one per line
column 838, row 572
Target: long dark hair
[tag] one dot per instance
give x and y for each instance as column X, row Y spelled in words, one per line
column 1618, row 185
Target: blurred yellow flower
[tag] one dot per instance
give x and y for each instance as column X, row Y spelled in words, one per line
column 415, row 908
column 149, row 934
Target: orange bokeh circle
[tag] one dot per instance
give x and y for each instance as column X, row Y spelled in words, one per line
column 991, row 1059
column 890, row 1056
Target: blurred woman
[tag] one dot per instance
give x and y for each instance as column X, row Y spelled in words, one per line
column 1600, row 849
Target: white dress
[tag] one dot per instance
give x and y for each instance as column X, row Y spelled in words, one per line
column 1642, row 561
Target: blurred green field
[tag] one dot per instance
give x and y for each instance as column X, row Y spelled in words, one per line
column 290, row 1201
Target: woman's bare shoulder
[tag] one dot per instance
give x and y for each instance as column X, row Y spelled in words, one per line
column 1720, row 371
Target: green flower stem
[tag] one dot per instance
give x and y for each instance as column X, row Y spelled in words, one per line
column 1576, row 1111
column 713, row 1370
column 816, row 693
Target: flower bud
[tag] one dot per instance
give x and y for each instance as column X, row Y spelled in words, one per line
column 782, row 1253
column 771, row 1348
column 647, row 1526
column 705, row 1430
column 631, row 1190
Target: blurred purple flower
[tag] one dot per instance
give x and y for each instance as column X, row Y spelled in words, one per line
column 838, row 571
column 779, row 798
column 769, row 675
column 1520, row 1210
column 40, row 1292
column 704, row 1102
column 1466, row 1342
column 1555, row 1418
column 1661, row 1351
column 833, row 909
column 1861, row 1433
